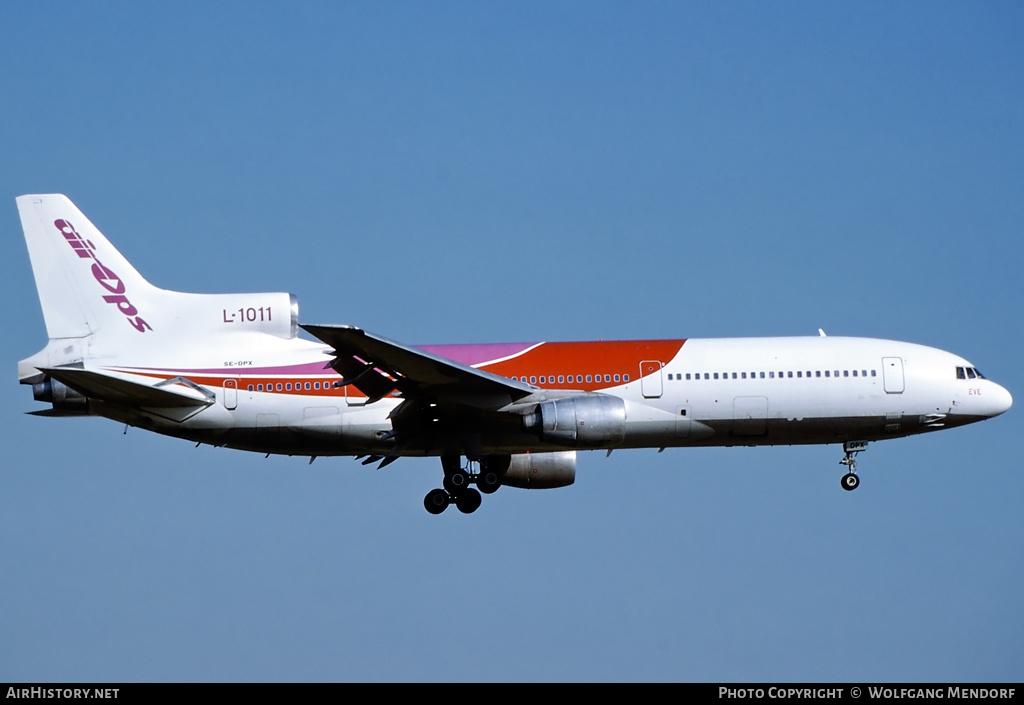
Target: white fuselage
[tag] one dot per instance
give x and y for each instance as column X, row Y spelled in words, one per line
column 718, row 392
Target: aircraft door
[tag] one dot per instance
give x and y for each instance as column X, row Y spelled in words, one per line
column 323, row 422
column 892, row 375
column 650, row 379
column 230, row 393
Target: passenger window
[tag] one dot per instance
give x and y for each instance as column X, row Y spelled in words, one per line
column 279, row 386
column 250, row 387
column 687, row 375
column 616, row 378
column 259, row 387
column 846, row 373
column 790, row 375
column 827, row 373
column 817, row 373
column 762, row 375
column 799, row 373
column 771, row 375
column 316, row 385
column 855, row 373
column 716, row 375
column 625, row 378
column 744, row 375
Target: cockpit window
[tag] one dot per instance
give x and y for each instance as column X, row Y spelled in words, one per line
column 970, row 373
column 960, row 373
column 977, row 372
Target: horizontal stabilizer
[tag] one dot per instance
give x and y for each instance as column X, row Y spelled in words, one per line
column 173, row 393
column 58, row 413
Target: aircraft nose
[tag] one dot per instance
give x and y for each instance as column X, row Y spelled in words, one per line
column 997, row 401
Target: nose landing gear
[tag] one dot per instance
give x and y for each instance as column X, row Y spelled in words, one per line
column 850, row 481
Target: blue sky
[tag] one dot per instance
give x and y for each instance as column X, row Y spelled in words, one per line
column 486, row 172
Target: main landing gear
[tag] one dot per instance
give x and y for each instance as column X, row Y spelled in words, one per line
column 850, row 481
column 457, row 481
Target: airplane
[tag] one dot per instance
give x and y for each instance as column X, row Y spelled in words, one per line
column 230, row 370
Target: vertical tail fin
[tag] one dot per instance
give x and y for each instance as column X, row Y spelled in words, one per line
column 85, row 285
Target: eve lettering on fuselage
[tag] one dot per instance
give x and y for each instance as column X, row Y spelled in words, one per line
column 505, row 414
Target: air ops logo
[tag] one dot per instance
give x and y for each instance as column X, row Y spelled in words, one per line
column 104, row 275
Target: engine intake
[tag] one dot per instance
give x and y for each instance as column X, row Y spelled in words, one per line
column 592, row 420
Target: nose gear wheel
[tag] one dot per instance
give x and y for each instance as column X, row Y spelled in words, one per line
column 850, row 481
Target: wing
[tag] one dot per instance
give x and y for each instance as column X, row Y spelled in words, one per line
column 377, row 366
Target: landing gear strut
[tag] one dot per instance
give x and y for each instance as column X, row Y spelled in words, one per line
column 850, row 481
column 457, row 481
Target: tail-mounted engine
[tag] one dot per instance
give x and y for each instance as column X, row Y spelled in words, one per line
column 592, row 420
column 63, row 397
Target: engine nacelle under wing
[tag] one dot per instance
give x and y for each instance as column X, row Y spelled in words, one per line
column 591, row 420
column 541, row 471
